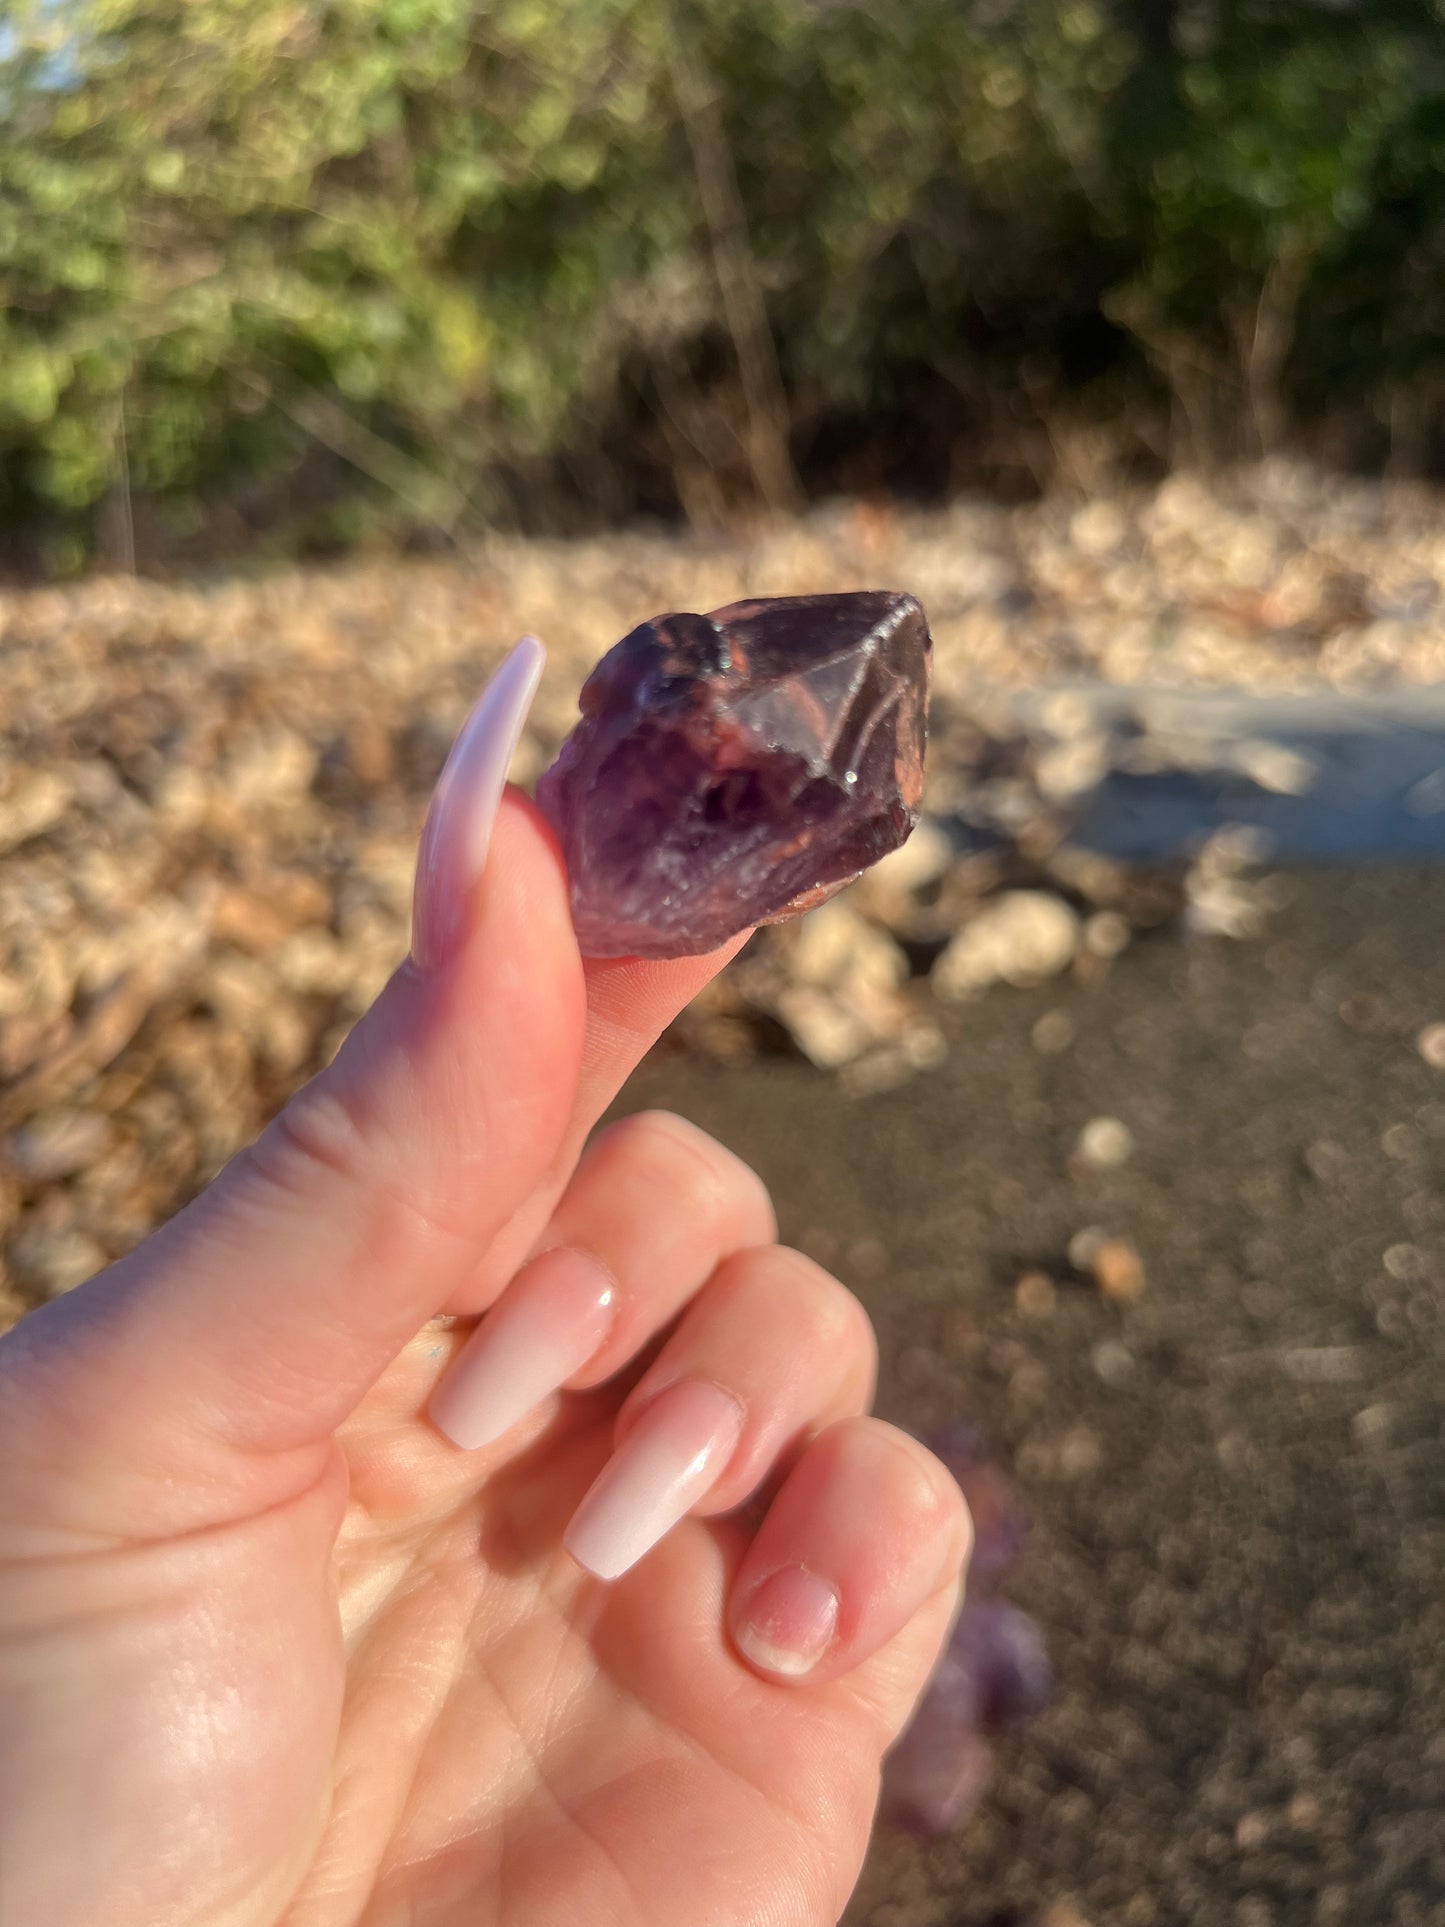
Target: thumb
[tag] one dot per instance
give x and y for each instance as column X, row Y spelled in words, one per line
column 258, row 1317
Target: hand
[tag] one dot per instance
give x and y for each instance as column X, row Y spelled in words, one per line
column 274, row 1649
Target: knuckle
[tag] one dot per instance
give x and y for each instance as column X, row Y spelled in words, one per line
column 832, row 1310
column 717, row 1187
column 835, row 1321
column 933, row 1490
column 316, row 1145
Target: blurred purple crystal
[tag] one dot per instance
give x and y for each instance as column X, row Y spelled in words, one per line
column 999, row 1526
column 935, row 1775
column 998, row 1653
column 993, row 1674
column 735, row 768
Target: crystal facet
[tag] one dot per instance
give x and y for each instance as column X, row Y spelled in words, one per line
column 739, row 767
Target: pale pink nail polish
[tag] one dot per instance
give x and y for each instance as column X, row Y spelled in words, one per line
column 458, row 830
column 669, row 1459
column 790, row 1622
column 549, row 1322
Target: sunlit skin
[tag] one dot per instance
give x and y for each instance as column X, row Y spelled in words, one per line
column 273, row 1650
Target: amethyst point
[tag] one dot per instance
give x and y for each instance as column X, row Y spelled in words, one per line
column 736, row 768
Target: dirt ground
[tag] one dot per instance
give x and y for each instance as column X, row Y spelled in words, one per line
column 1236, row 1480
column 209, row 801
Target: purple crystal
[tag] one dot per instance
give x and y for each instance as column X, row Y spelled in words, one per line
column 934, row 1776
column 999, row 1526
column 735, row 768
column 1000, row 1652
column 994, row 1673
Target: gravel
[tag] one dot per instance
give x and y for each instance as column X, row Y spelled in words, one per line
column 210, row 794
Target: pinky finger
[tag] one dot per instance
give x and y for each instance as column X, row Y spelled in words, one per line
column 867, row 1529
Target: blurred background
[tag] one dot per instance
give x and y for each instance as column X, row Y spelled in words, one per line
column 301, row 272
column 340, row 343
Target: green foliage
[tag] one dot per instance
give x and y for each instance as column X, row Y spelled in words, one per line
column 446, row 240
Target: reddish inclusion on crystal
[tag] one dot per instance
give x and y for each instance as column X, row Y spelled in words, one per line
column 739, row 767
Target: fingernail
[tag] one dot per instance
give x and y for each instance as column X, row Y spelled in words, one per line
column 790, row 1622
column 458, row 831
column 553, row 1316
column 662, row 1468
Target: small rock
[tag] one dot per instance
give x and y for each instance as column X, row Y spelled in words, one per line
column 1224, row 906
column 1326, row 1161
column 54, row 1144
column 826, row 1033
column 1407, row 1262
column 1021, row 938
column 1107, row 934
column 1105, row 1143
column 1067, row 771
column 1085, row 1245
column 267, row 763
column 37, row 802
column 1053, row 1033
column 1098, row 528
column 1304, row 1812
column 924, row 1046
column 922, row 860
column 1274, row 767
column 1079, row 1453
column 1251, row 1832
column 284, row 1036
column 1234, row 848
column 1371, row 1426
column 1118, row 1270
column 1431, row 1045
column 1099, row 879
column 875, row 1072
column 1034, row 1294
column 180, row 798
column 1113, row 1361
column 835, row 947
column 315, row 963
column 1062, row 1914
column 55, row 1260
column 867, row 1259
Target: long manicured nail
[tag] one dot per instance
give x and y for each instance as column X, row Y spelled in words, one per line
column 552, row 1318
column 464, row 804
column 790, row 1622
column 662, row 1468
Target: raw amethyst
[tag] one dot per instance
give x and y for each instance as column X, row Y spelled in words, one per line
column 999, row 1526
column 936, row 1773
column 735, row 768
column 1000, row 1652
column 993, row 1674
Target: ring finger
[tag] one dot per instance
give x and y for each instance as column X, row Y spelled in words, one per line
column 772, row 1351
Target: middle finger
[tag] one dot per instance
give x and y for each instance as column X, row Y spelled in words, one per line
column 652, row 1210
